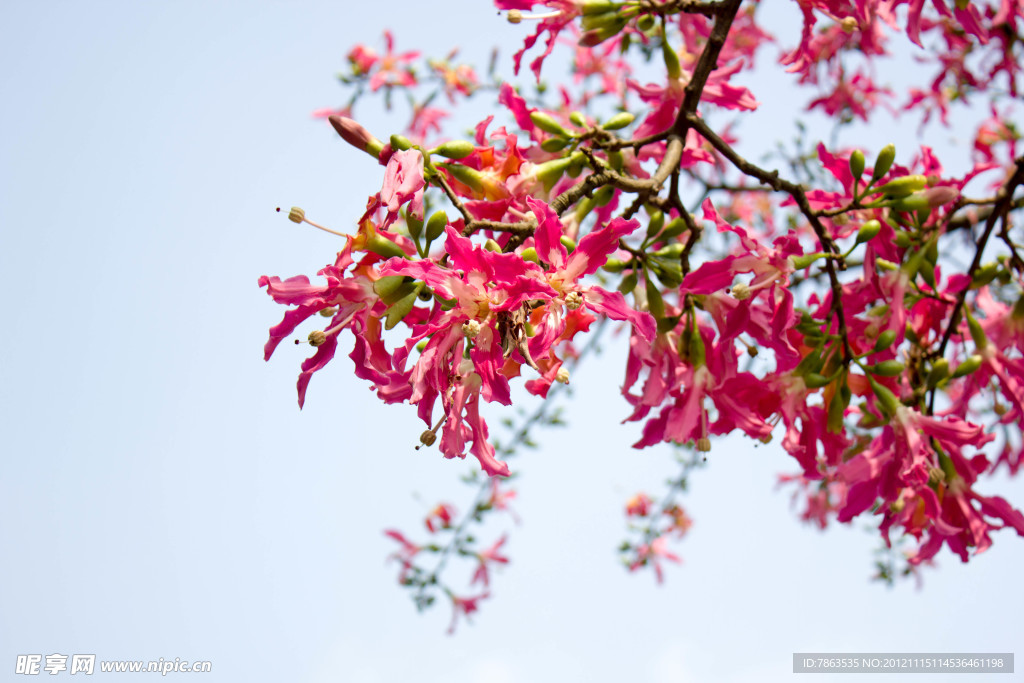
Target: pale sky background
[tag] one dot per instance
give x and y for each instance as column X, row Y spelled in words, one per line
column 162, row 494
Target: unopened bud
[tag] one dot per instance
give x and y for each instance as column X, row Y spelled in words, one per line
column 868, row 231
column 356, row 135
column 547, row 123
column 455, row 149
column 902, row 186
column 884, row 162
column 857, row 163
column 620, row 120
column 317, row 338
column 573, row 300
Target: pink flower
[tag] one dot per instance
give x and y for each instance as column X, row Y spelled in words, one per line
column 639, row 505
column 464, row 606
column 487, row 557
column 440, row 517
column 653, row 553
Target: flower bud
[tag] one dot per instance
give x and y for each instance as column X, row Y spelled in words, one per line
column 968, row 366
column 977, row 334
column 548, row 124
column 884, row 162
column 356, row 135
column 455, row 149
column 599, row 6
column 555, row 144
column 887, row 368
column 467, row 176
column 939, row 372
column 902, row 186
column 436, row 225
column 491, row 245
column 382, row 246
column 801, row 262
column 530, row 254
column 671, row 60
column 620, row 120
column 885, row 340
column 578, row 119
column 400, row 142
column 868, row 231
column 857, row 163
column 915, row 202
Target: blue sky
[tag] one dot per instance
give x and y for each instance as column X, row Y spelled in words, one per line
column 162, row 494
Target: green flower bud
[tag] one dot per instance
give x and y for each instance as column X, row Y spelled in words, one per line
column 569, row 244
column 455, row 149
column 599, row 7
column 968, row 366
column 939, row 372
column 655, row 304
column 556, row 144
column 676, row 227
column 384, row 247
column 674, row 250
column 436, row 225
column 614, row 265
column 547, row 123
column 467, row 176
column 549, row 172
column 985, row 274
column 902, row 186
column 620, row 120
column 857, row 163
column 656, row 223
column 801, row 262
column 887, row 400
column 530, row 254
column 915, row 202
column 868, row 230
column 977, row 334
column 491, row 245
column 903, row 239
column 887, row 368
column 885, row 340
column 671, row 60
column 578, row 119
column 645, row 23
column 884, row 162
column 815, row 381
column 414, row 224
column 400, row 142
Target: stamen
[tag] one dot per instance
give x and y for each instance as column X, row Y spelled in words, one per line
column 297, row 215
column 515, row 16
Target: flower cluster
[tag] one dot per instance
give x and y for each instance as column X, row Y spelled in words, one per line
column 871, row 317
